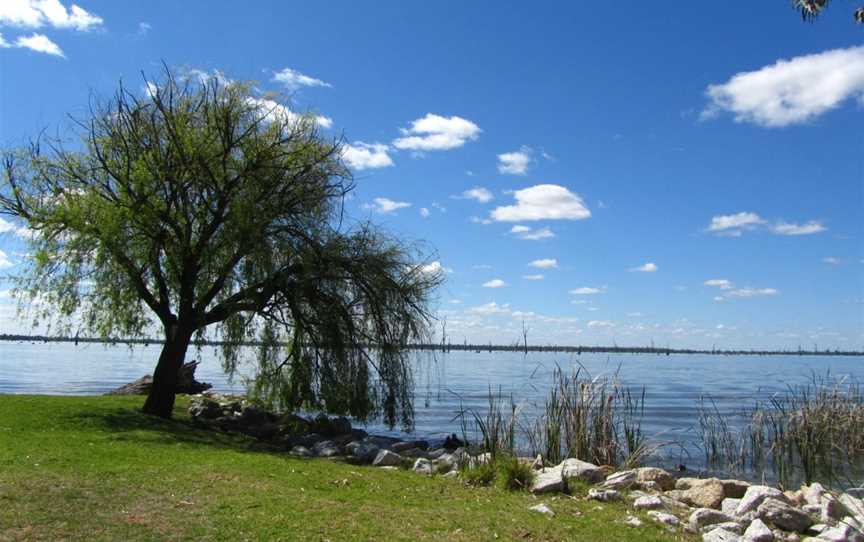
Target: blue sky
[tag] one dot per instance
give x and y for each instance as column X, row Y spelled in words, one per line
column 687, row 176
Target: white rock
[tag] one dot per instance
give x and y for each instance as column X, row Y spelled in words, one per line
column 830, row 509
column 708, row 516
column 729, row 506
column 853, row 505
column 754, row 497
column 844, row 531
column 581, row 470
column 857, row 492
column 783, row 515
column 386, row 458
column 720, row 535
column 542, row 509
column 649, row 502
column 633, row 521
column 813, row 493
column 451, row 474
column 664, row 518
column 424, row 466
column 758, row 532
column 604, row 495
column 620, row 480
column 548, row 481
column 731, row 526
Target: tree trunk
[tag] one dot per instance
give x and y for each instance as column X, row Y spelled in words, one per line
column 160, row 401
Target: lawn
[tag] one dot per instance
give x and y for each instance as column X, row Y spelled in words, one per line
column 94, row 468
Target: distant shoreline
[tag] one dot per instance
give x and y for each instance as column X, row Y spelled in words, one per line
column 444, row 348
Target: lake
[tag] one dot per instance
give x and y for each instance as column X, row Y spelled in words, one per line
column 673, row 384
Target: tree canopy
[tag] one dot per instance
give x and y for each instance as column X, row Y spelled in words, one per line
column 811, row 9
column 206, row 209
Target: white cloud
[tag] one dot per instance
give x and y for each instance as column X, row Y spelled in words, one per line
column 514, row 163
column 494, row 283
column 292, row 79
column 723, row 284
column 534, row 235
column 545, row 263
column 542, row 202
column 518, row 228
column 791, row 91
column 437, row 133
column 359, row 155
column 586, row 290
column 39, row 43
column 19, row 231
column 5, row 262
column 784, row 228
column 649, row 267
column 832, row 260
column 385, row 205
column 489, row 309
column 434, row 268
column 601, row 323
column 144, row 28
column 273, row 110
column 424, row 212
column 723, row 224
column 751, row 292
column 478, row 193
column 533, row 277
column 38, row 13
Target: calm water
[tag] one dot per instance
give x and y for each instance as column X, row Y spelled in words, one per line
column 674, row 384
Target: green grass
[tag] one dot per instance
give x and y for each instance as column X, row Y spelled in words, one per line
column 93, row 468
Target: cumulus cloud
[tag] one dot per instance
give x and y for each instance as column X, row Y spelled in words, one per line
column 5, row 262
column 514, row 163
column 424, row 212
column 39, row 43
column 723, row 224
column 144, row 28
column 527, row 234
column 19, row 231
column 542, row 202
column 384, row 206
column 784, row 228
column 791, row 91
column 39, row 13
column 434, row 268
column 649, row 267
column 478, row 193
column 533, row 277
column 273, row 110
column 292, row 79
column 359, row 155
column 600, row 323
column 494, row 283
column 545, row 263
column 437, row 133
column 723, row 284
column 587, row 290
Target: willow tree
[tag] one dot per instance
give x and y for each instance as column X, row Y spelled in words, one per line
column 203, row 209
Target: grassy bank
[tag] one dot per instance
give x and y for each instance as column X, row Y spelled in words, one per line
column 93, row 468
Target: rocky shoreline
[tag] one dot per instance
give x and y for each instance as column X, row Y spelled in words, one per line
column 720, row 510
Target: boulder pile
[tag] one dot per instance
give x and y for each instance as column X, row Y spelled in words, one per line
column 720, row 510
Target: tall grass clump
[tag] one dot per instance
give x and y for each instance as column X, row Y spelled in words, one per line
column 593, row 419
column 811, row 432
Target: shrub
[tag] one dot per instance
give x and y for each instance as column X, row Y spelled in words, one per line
column 482, row 474
column 516, row 475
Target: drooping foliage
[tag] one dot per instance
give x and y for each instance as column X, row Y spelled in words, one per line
column 212, row 211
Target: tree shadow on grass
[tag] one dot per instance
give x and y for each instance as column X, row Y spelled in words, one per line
column 131, row 425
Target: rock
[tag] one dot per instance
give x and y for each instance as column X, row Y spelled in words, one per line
column 754, row 496
column 844, row 531
column 670, row 502
column 813, row 493
column 581, row 470
column 451, row 474
column 734, row 489
column 620, row 480
column 604, row 495
column 633, row 521
column 758, row 532
column 206, row 409
column 548, row 480
column 731, row 526
column 706, row 493
column 663, row 479
column 386, row 458
column 649, row 502
column 400, row 447
column 830, row 509
column 542, row 509
column 452, row 442
column 853, row 505
column 326, row 448
column 423, row 466
column 720, row 535
column 664, row 518
column 292, row 424
column 301, row 451
column 435, row 454
column 363, row 451
column 728, row 506
column 702, row 517
column 783, row 516
column 537, row 464
column 857, row 492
